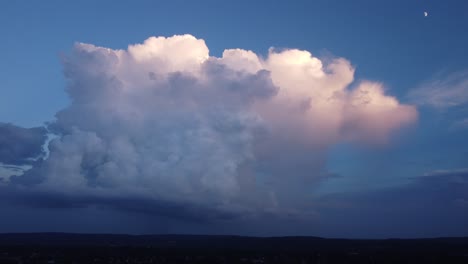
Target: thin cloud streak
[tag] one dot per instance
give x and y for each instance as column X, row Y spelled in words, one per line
column 442, row 92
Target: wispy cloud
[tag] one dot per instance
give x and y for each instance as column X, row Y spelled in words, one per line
column 443, row 91
column 447, row 173
column 7, row 171
column 460, row 124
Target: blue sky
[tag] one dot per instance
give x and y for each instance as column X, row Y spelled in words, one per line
column 419, row 60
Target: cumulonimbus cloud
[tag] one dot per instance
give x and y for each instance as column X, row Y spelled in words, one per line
column 164, row 121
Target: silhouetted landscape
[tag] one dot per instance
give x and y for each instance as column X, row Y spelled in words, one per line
column 102, row 248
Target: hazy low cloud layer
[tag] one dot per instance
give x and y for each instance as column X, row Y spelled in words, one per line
column 165, row 123
column 434, row 204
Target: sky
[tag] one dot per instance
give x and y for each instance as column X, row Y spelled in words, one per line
column 327, row 118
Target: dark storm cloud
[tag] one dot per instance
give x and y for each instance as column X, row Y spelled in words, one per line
column 18, row 146
column 15, row 195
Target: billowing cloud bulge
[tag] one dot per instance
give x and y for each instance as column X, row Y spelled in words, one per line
column 165, row 122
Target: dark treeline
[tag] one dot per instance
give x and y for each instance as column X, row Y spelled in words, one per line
column 77, row 248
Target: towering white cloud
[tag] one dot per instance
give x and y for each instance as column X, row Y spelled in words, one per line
column 164, row 121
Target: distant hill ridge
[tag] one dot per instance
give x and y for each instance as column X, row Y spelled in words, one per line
column 225, row 241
